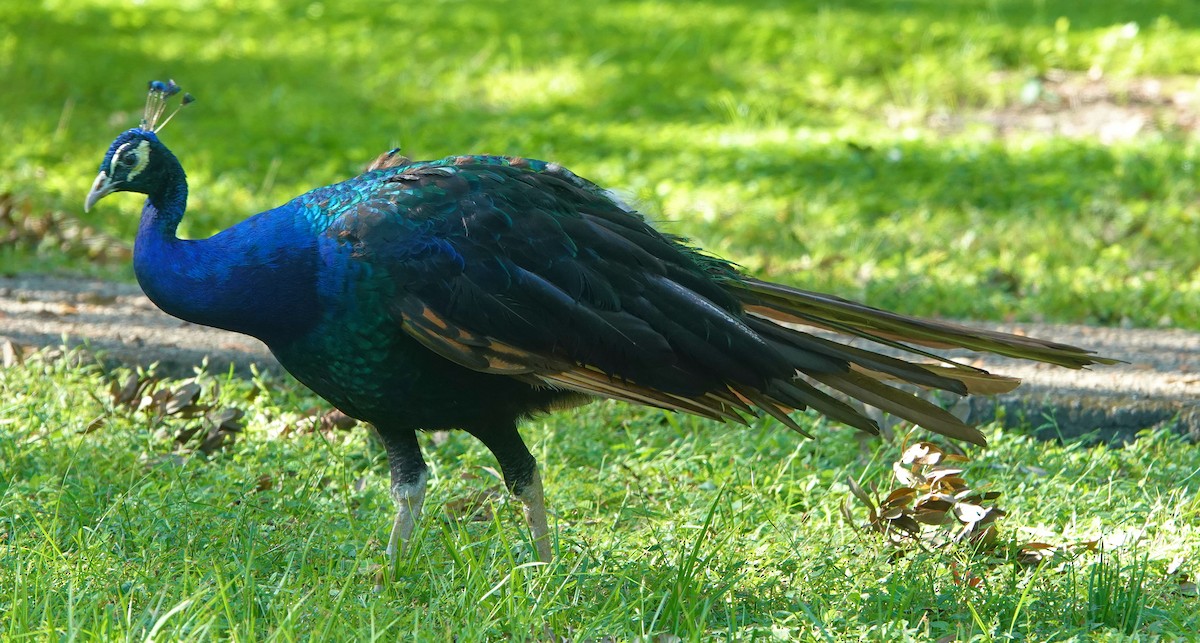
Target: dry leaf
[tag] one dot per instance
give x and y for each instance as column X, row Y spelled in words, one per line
column 932, row 517
column 904, row 476
column 323, row 420
column 932, row 497
column 183, row 401
column 11, row 353
column 922, row 453
column 94, row 425
column 862, row 497
column 899, row 498
column 964, row 577
column 969, row 513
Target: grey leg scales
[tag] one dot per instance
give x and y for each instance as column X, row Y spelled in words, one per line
column 409, row 479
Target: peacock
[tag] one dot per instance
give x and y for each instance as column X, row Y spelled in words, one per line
column 473, row 291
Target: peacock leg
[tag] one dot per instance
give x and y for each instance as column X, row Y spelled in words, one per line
column 532, row 497
column 409, row 477
column 521, row 476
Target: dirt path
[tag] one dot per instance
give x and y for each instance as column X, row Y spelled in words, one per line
column 1159, row 383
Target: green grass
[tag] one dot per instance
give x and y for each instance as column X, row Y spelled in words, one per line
column 664, row 525
column 792, row 137
column 799, row 139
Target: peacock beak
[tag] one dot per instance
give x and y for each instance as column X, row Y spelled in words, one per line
column 100, row 189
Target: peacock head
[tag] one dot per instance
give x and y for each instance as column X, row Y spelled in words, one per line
column 136, row 160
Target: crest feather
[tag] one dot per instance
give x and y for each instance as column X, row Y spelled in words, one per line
column 156, row 104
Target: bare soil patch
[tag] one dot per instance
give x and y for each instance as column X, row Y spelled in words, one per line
column 1158, row 383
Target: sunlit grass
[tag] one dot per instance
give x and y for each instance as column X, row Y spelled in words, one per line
column 794, row 138
column 663, row 525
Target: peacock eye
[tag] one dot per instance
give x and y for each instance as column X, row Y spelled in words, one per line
column 128, row 160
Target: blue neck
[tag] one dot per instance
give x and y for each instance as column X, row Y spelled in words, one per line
column 255, row 278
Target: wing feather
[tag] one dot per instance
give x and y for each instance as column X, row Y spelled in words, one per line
column 520, row 268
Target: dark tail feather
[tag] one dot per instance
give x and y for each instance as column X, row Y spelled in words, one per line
column 792, row 305
column 864, row 373
column 902, row 404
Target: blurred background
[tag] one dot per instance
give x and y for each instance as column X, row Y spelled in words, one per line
column 1011, row 159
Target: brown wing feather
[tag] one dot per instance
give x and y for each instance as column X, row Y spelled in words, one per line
column 389, row 159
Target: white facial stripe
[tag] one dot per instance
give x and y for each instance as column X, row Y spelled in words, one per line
column 142, row 156
column 143, row 159
column 112, row 165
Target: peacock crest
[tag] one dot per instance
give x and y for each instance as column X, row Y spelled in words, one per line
column 156, row 104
